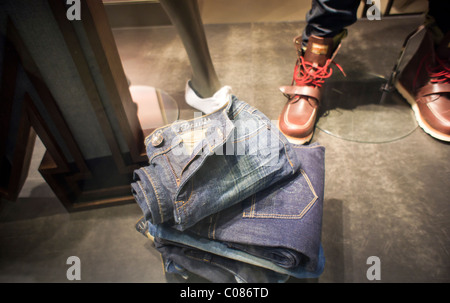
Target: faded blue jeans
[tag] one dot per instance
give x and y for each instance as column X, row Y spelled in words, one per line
column 184, row 260
column 229, row 183
column 282, row 223
column 278, row 228
column 202, row 166
column 217, row 248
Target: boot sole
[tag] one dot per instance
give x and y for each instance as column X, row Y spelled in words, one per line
column 295, row 140
column 422, row 123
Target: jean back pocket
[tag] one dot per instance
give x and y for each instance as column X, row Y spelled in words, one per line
column 291, row 199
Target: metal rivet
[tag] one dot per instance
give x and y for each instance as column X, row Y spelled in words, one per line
column 157, row 139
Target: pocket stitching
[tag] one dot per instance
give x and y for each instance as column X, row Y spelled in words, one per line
column 252, row 213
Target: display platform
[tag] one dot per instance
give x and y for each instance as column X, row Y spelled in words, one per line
column 355, row 109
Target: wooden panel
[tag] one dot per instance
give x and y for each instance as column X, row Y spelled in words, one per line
column 76, row 51
column 97, row 26
column 79, row 183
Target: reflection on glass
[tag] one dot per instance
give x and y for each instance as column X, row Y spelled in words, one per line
column 353, row 110
column 155, row 108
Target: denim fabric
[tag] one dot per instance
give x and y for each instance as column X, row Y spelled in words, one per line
column 327, row 18
column 282, row 223
column 205, row 165
column 278, row 228
column 218, row 248
column 183, row 260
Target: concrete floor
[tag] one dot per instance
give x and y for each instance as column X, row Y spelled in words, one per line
column 389, row 200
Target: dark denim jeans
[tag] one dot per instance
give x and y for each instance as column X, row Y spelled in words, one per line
column 184, row 260
column 278, row 228
column 188, row 239
column 328, row 18
column 205, row 165
column 229, row 184
column 282, row 223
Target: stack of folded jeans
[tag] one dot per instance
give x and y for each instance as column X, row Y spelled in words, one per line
column 226, row 197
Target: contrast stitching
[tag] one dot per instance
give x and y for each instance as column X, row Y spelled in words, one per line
column 171, row 167
column 209, row 228
column 285, row 148
column 185, row 202
column 239, row 111
column 161, row 152
column 214, row 228
column 156, row 194
column 281, row 216
column 212, row 235
column 308, row 147
column 250, row 135
column 190, row 160
column 252, row 210
column 145, row 195
column 184, row 121
column 252, row 207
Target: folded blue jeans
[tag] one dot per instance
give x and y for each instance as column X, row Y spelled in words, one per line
column 202, row 166
column 183, row 260
column 282, row 223
column 278, row 228
column 168, row 233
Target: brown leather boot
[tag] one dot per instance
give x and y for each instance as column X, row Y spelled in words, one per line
column 425, row 84
column 298, row 117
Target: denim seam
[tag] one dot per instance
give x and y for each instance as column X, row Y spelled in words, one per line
column 251, row 214
column 218, row 265
column 239, row 111
column 214, row 226
column 156, row 194
column 285, row 148
column 185, row 202
column 202, row 126
column 252, row 208
column 210, row 150
column 308, row 147
column 172, row 169
column 188, row 162
column 253, row 111
column 160, row 153
column 247, row 109
column 250, row 135
column 145, row 194
column 180, row 209
column 174, row 123
column 210, row 225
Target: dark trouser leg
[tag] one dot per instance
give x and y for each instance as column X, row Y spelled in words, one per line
column 328, row 18
column 440, row 11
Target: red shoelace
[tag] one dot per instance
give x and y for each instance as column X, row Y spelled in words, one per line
column 307, row 74
column 440, row 73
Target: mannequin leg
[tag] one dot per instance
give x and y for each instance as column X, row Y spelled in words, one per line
column 185, row 16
